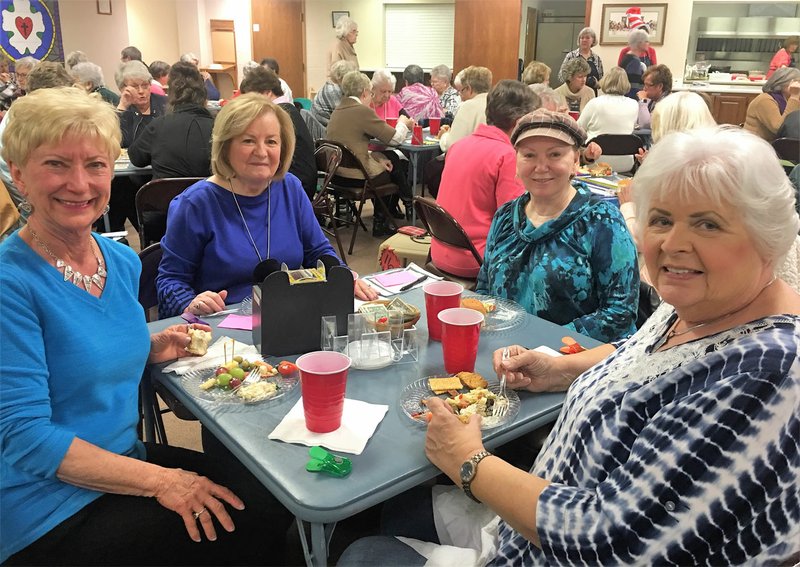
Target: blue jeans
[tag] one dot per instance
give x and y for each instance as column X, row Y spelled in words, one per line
column 411, row 515
column 386, row 551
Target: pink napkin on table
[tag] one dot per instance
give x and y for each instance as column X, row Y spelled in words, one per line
column 233, row 321
column 396, row 278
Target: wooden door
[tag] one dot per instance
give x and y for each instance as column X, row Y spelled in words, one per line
column 487, row 34
column 281, row 35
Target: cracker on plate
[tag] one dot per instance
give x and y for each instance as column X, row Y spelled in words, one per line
column 442, row 385
column 472, row 380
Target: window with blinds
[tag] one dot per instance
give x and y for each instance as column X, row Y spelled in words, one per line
column 419, row 34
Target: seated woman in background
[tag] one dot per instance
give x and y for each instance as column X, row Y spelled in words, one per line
column 781, row 97
column 611, row 113
column 562, row 254
column 178, row 144
column 419, row 100
column 676, row 447
column 480, row 175
column 212, row 93
column 785, row 55
column 89, row 76
column 657, row 81
column 475, row 85
column 384, row 101
column 536, row 73
column 354, row 124
column 264, row 81
column 159, row 70
column 330, row 94
column 137, row 104
column 448, row 96
column 78, row 487
column 250, row 210
column 574, row 88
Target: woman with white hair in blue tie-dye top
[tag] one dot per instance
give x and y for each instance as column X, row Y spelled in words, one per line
column 678, row 446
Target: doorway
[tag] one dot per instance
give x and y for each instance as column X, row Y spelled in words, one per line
column 281, row 35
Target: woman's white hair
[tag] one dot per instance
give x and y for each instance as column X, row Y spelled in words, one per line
column 726, row 165
column 87, row 72
column 383, row 76
column 249, row 66
column 638, row 37
column 26, row 62
column 780, row 79
column 131, row 70
column 344, row 26
column 680, row 111
column 443, row 72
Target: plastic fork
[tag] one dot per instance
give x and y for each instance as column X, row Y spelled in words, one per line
column 253, row 377
column 500, row 407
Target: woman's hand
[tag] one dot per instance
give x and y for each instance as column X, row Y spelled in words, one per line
column 207, row 302
column 409, row 122
column 640, row 155
column 126, row 97
column 364, row 291
column 794, row 89
column 530, row 370
column 171, row 343
column 195, row 498
column 625, row 194
column 593, row 151
column 449, row 442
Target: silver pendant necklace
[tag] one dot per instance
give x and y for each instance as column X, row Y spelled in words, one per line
column 269, row 223
column 71, row 274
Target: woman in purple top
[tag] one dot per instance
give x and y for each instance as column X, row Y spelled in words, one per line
column 249, row 210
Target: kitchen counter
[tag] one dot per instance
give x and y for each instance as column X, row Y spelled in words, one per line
column 731, row 87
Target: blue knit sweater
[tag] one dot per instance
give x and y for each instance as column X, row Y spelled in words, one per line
column 206, row 246
column 70, row 365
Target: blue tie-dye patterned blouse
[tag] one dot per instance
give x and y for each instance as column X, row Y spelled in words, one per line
column 578, row 270
column 687, row 456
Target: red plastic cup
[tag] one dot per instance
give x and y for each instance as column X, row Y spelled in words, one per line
column 323, row 377
column 392, row 121
column 433, row 124
column 574, row 114
column 461, row 332
column 416, row 138
column 440, row 296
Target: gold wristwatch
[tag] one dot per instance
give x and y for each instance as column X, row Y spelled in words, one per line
column 468, row 471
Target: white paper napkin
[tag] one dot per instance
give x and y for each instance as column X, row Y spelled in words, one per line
column 215, row 356
column 359, row 421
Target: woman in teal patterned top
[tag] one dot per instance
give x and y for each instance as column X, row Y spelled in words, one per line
column 558, row 251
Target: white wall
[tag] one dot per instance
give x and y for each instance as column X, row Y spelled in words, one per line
column 101, row 37
column 152, row 26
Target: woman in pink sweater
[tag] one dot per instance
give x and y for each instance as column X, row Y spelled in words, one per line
column 480, row 174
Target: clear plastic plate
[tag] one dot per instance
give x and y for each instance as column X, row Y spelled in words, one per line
column 507, row 314
column 412, row 395
column 191, row 382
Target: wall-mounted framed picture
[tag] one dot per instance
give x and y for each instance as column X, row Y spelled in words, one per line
column 619, row 19
column 104, row 7
column 336, row 15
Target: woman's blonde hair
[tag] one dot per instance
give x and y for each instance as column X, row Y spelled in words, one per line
column 46, row 116
column 678, row 112
column 355, row 83
column 535, row 72
column 234, row 119
column 615, row 82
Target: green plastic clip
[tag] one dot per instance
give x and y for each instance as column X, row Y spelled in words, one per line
column 328, row 463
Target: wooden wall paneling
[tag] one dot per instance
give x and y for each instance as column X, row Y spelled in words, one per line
column 487, row 34
column 281, row 36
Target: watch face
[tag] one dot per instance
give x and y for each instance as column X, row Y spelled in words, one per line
column 467, row 471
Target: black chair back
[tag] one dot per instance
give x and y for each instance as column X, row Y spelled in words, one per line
column 152, row 203
column 787, row 149
column 443, row 227
column 150, row 258
column 328, row 157
column 619, row 144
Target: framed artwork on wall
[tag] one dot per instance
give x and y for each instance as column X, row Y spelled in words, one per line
column 336, row 15
column 104, row 7
column 619, row 19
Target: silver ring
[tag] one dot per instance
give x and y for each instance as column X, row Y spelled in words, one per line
column 200, row 513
